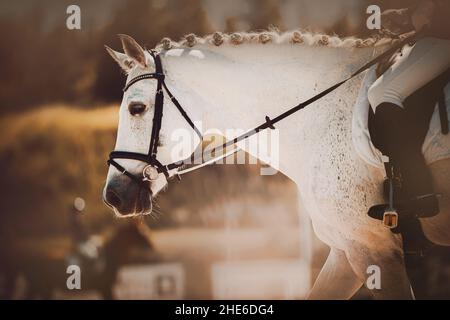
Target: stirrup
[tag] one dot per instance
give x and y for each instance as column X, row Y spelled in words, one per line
column 390, row 219
column 384, row 212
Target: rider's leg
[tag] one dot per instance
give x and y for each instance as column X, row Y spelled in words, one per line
column 428, row 59
column 404, row 152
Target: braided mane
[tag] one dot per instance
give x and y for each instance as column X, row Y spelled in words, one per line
column 272, row 36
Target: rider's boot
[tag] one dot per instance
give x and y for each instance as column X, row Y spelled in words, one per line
column 395, row 139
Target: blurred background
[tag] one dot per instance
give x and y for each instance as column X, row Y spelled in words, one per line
column 222, row 232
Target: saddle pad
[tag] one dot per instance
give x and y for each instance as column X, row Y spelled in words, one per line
column 435, row 147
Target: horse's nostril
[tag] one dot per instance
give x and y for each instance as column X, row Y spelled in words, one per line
column 127, row 199
column 113, row 199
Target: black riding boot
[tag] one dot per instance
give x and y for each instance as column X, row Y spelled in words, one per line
column 395, row 139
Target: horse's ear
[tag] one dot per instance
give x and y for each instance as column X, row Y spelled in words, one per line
column 122, row 59
column 132, row 49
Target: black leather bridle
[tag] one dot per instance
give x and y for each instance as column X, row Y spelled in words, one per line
column 154, row 167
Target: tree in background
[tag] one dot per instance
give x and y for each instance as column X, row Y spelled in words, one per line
column 265, row 13
column 45, row 63
column 147, row 22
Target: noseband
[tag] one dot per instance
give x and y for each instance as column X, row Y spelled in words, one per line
column 154, row 167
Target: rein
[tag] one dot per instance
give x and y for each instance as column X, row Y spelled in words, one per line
column 154, row 167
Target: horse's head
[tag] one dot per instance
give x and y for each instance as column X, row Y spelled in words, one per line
column 123, row 191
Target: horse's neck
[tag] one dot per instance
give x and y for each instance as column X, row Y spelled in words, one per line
column 235, row 87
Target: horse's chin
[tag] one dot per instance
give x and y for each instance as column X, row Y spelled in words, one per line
column 131, row 215
column 142, row 205
column 128, row 200
column 136, row 213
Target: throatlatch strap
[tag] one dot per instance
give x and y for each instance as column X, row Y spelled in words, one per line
column 182, row 111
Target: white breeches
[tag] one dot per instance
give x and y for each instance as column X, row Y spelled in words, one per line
column 425, row 61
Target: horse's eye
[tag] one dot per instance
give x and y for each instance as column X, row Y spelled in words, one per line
column 136, row 109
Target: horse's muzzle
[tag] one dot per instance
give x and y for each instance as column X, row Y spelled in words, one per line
column 127, row 198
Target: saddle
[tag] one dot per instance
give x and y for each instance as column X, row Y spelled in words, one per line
column 401, row 212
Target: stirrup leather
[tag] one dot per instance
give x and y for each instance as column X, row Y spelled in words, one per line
column 399, row 207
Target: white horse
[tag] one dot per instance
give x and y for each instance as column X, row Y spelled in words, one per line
column 233, row 82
